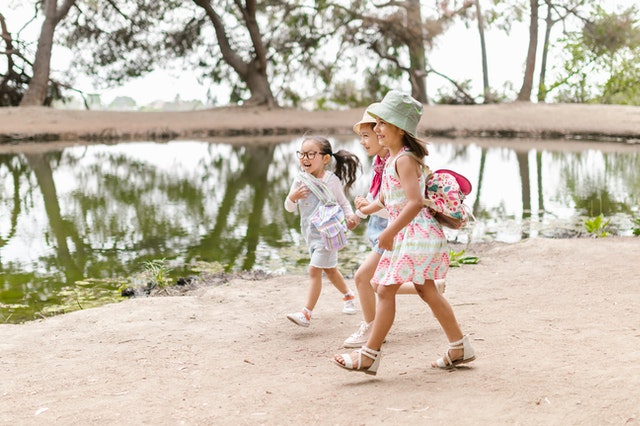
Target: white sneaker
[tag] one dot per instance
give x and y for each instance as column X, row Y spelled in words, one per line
column 301, row 318
column 360, row 337
column 349, row 306
column 441, row 286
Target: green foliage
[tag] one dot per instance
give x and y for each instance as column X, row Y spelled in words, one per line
column 5, row 319
column 636, row 227
column 623, row 88
column 596, row 226
column 602, row 62
column 17, row 68
column 208, row 267
column 157, row 272
column 347, row 93
column 123, row 102
column 457, row 259
column 455, row 95
column 607, row 34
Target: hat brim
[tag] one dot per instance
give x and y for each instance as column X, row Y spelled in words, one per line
column 389, row 116
column 366, row 118
column 356, row 127
column 400, row 110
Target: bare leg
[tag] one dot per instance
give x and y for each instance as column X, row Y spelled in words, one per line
column 444, row 314
column 315, row 287
column 385, row 314
column 366, row 292
column 337, row 280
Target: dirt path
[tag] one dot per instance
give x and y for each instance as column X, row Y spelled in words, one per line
column 554, row 322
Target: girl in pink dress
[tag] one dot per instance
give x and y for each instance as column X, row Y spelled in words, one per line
column 415, row 244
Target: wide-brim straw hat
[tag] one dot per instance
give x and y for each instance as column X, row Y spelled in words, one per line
column 399, row 109
column 366, row 118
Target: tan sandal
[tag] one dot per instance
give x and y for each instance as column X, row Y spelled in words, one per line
column 468, row 354
column 369, row 353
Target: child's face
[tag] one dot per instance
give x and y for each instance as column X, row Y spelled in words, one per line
column 389, row 135
column 312, row 161
column 369, row 141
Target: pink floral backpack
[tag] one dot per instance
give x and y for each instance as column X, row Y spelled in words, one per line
column 445, row 191
column 444, row 194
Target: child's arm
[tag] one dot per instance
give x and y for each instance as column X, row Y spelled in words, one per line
column 367, row 208
column 297, row 192
column 409, row 172
column 335, row 186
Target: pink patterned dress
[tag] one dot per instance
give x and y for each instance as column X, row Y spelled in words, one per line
column 420, row 251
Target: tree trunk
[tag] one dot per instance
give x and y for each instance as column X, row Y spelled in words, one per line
column 258, row 84
column 62, row 235
column 253, row 73
column 483, row 49
column 527, row 83
column 417, row 55
column 549, row 22
column 39, row 84
column 36, row 94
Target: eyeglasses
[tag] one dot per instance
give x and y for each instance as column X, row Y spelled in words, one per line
column 310, row 155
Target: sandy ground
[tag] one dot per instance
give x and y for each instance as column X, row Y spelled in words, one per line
column 555, row 324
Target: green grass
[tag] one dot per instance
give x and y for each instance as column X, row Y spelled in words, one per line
column 597, row 226
column 457, row 259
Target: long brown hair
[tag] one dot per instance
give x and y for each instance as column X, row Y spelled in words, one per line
column 415, row 145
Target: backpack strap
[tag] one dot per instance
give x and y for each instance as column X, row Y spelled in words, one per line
column 318, row 187
column 427, row 171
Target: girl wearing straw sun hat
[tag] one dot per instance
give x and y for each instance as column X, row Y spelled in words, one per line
column 415, row 244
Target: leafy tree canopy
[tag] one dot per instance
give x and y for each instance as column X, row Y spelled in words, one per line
column 603, row 61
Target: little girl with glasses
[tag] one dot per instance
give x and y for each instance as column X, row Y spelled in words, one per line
column 315, row 155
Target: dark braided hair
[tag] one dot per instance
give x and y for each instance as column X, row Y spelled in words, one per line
column 347, row 163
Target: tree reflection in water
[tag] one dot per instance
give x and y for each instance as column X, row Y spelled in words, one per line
column 78, row 222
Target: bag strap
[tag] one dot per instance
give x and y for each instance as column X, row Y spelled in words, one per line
column 427, row 171
column 318, row 187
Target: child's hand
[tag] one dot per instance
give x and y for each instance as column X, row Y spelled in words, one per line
column 352, row 222
column 360, row 202
column 385, row 240
column 299, row 193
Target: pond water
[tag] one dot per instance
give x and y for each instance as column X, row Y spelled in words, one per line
column 77, row 223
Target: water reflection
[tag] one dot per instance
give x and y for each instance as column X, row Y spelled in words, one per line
column 78, row 221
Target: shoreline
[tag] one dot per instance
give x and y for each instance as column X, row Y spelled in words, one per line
column 578, row 122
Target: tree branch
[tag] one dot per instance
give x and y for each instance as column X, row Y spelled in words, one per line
column 458, row 87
